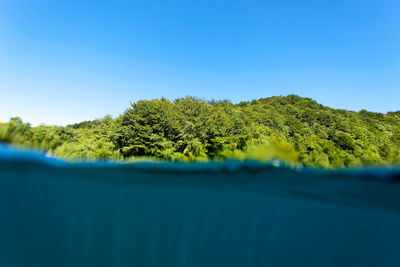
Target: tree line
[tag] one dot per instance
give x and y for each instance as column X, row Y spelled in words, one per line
column 295, row 129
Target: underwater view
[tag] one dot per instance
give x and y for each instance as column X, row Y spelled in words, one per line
column 232, row 213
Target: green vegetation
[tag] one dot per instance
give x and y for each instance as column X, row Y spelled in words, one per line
column 291, row 128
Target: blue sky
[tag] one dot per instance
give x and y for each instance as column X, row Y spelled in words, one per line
column 69, row 61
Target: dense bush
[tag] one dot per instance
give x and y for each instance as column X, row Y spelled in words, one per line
column 291, row 128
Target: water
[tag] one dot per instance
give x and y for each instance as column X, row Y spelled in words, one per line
column 55, row 213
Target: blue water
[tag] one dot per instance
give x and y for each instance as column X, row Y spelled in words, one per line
column 55, row 213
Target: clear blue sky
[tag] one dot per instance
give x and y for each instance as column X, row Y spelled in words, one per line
column 66, row 61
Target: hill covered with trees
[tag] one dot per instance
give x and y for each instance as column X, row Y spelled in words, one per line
column 292, row 128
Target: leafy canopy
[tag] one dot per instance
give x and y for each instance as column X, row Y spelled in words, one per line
column 292, row 128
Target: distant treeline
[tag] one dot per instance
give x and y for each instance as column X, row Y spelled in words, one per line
column 292, row 128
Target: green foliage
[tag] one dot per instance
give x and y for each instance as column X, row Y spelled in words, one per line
column 291, row 128
column 15, row 132
column 265, row 149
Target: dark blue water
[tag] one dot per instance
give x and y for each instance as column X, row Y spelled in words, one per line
column 215, row 214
